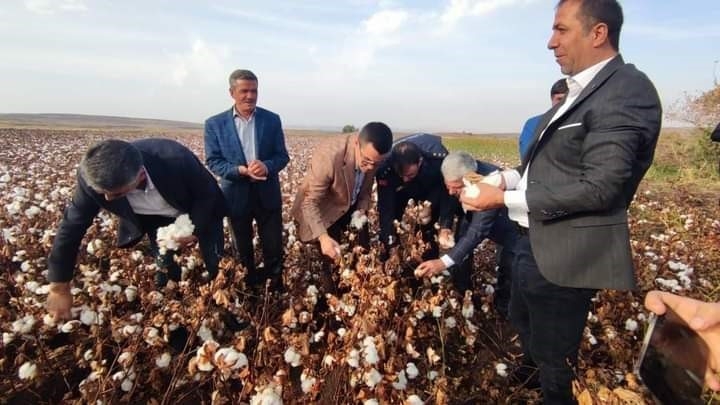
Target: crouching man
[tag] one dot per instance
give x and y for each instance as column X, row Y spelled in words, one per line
column 473, row 228
column 147, row 184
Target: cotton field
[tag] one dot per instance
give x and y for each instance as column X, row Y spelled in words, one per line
column 383, row 337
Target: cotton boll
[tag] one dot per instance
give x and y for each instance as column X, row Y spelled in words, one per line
column 23, row 325
column 411, row 370
column 163, row 360
column 401, row 382
column 353, row 358
column 292, row 357
column 372, row 377
column 88, row 317
column 631, row 325
column 371, row 401
column 370, row 351
column 358, row 220
column 470, row 190
column 130, row 293
column 28, row 371
column 307, row 382
column 501, row 369
column 268, row 395
column 8, row 338
column 167, row 236
column 414, row 400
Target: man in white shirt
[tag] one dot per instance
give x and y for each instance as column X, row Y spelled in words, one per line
column 571, row 194
column 146, row 184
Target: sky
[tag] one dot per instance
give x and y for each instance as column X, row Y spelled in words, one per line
column 479, row 66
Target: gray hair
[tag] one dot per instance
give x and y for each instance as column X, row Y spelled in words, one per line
column 110, row 165
column 456, row 165
column 241, row 74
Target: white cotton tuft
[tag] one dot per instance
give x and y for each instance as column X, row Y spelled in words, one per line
column 358, row 220
column 163, row 360
column 268, row 395
column 292, row 357
column 411, row 370
column 167, row 236
column 27, row 371
column 631, row 325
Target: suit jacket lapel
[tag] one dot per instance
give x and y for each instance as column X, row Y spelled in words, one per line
column 233, row 136
column 599, row 79
column 349, row 165
column 536, row 136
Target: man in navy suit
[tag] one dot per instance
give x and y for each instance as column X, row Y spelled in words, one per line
column 245, row 147
column 474, row 227
column 571, row 194
column 147, row 184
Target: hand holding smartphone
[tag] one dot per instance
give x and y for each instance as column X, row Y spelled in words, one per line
column 673, row 360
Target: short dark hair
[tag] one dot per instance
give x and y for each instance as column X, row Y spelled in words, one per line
column 241, row 74
column 608, row 12
column 404, row 154
column 110, row 164
column 559, row 87
column 377, row 134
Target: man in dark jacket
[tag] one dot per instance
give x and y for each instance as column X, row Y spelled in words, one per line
column 413, row 172
column 147, row 184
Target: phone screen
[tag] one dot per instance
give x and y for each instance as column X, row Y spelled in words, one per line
column 673, row 360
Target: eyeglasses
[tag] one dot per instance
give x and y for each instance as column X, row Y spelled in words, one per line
column 366, row 161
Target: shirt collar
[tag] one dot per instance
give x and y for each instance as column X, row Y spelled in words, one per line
column 236, row 114
column 578, row 82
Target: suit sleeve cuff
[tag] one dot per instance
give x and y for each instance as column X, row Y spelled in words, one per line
column 447, row 261
column 516, row 203
column 511, row 177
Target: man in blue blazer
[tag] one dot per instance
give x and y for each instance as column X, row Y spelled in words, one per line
column 245, row 147
column 147, row 184
column 571, row 194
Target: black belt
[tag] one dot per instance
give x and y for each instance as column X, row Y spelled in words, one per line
column 522, row 230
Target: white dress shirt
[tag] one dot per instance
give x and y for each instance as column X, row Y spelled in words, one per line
column 246, row 133
column 516, row 185
column 150, row 202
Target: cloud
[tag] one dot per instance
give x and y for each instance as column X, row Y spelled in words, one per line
column 385, row 22
column 203, row 63
column 47, row 7
column 666, row 33
column 459, row 9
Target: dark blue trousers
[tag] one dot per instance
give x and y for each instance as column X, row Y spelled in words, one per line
column 550, row 320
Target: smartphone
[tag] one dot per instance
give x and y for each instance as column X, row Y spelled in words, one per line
column 673, row 360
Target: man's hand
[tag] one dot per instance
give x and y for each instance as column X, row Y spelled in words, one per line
column 703, row 317
column 489, row 197
column 429, row 268
column 59, row 301
column 446, row 239
column 329, row 247
column 186, row 241
column 258, row 170
column 245, row 171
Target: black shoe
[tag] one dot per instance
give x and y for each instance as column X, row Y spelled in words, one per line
column 526, row 376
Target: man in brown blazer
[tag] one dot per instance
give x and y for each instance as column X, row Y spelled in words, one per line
column 338, row 183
